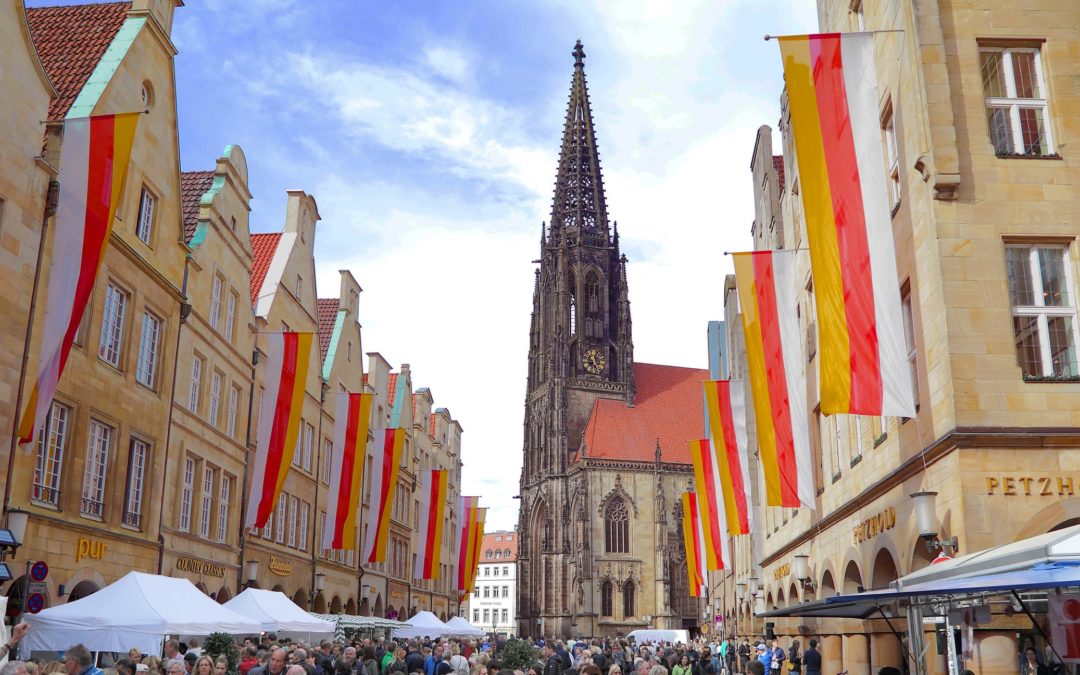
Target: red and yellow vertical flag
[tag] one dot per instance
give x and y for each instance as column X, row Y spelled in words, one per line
column 478, row 540
column 93, row 168
column 279, row 421
column 433, row 486
column 352, row 418
column 710, row 498
column 694, row 545
column 467, row 511
column 774, row 359
column 726, row 417
column 385, row 465
column 832, row 93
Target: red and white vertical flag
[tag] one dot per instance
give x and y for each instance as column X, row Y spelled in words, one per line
column 726, row 418
column 711, row 504
column 385, row 466
column 694, row 545
column 478, row 540
column 279, row 421
column 351, row 420
column 468, row 508
column 433, row 487
column 832, row 93
column 93, row 168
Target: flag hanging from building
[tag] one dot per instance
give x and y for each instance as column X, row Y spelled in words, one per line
column 726, row 418
column 279, row 421
column 389, row 444
column 694, row 545
column 352, row 417
column 467, row 511
column 707, row 483
column 832, row 94
column 93, row 168
column 774, row 361
column 433, row 486
column 478, row 540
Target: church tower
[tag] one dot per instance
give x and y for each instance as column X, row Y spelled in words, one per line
column 580, row 349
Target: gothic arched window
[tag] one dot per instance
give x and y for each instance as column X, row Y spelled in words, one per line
column 592, row 293
column 628, row 600
column 617, row 526
column 605, row 598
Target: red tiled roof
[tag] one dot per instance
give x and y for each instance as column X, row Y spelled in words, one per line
column 778, row 164
column 70, row 40
column 262, row 249
column 390, row 388
column 193, row 185
column 507, row 542
column 365, row 378
column 431, row 429
column 327, row 312
column 668, row 407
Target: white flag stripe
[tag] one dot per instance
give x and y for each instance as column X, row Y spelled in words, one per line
column 275, row 344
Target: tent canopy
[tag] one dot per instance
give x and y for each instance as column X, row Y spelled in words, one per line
column 138, row 610
column 278, row 614
column 462, row 627
column 421, row 625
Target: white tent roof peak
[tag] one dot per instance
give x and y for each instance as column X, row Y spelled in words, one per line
column 278, row 614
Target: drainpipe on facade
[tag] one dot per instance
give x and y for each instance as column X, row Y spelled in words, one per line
column 51, row 198
column 240, row 581
column 185, row 312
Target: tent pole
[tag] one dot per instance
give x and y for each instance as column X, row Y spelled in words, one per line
column 899, row 637
column 1027, row 610
column 915, row 637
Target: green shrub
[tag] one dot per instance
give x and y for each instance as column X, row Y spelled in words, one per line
column 517, row 655
column 223, row 643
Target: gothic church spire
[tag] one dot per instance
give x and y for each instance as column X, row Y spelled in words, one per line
column 579, row 211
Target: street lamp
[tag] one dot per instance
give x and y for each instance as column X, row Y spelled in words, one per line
column 753, row 586
column 740, row 590
column 252, row 572
column 927, row 522
column 801, row 570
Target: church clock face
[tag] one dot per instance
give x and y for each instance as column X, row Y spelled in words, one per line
column 594, row 361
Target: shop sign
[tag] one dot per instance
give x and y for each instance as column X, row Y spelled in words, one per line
column 875, row 525
column 1037, row 486
column 396, row 595
column 90, row 548
column 200, row 567
column 282, row 568
column 782, row 572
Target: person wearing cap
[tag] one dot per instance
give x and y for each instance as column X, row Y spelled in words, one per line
column 764, row 657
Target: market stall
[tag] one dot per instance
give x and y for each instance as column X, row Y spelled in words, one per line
column 423, row 624
column 349, row 625
column 462, row 628
column 138, row 610
column 280, row 615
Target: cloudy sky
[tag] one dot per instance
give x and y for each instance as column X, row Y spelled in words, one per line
column 429, row 132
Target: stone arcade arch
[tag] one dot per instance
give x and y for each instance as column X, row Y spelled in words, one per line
column 365, row 607
column 300, row 598
column 320, row 603
column 223, row 595
column 793, row 594
column 83, row 589
column 350, row 606
column 827, row 587
column 884, row 570
column 780, row 602
column 378, row 610
column 335, row 605
column 853, row 580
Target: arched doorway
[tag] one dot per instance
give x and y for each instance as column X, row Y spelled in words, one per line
column 793, row 595
column 780, row 598
column 827, row 587
column 884, row 571
column 852, row 579
column 378, row 610
column 335, row 605
column 202, row 587
column 300, row 598
column 365, row 607
column 769, row 604
column 392, row 613
column 224, row 595
column 83, row 589
column 350, row 606
column 320, row 603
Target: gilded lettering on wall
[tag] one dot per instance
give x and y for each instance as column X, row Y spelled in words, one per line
column 1031, row 486
column 282, row 568
column 200, row 567
column 875, row 525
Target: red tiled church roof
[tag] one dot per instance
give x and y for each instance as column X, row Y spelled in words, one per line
column 193, row 185
column 778, row 164
column 668, row 407
column 327, row 312
column 70, row 40
column 262, row 249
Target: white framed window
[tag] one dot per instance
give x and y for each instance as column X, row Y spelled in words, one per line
column 1044, row 311
column 1017, row 113
column 112, row 325
column 196, row 384
column 268, row 528
column 234, row 406
column 476, row 615
column 298, row 451
column 137, row 456
column 215, row 397
column 186, row 495
column 144, row 224
column 150, row 336
column 282, row 505
column 230, row 316
column 909, row 343
column 215, row 302
column 293, row 508
column 324, row 460
column 206, row 502
column 50, row 456
column 309, row 442
column 487, row 612
column 97, row 462
column 305, row 513
column 892, row 156
column 223, row 508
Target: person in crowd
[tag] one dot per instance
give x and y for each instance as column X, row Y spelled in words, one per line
column 17, row 633
column 221, row 665
column 459, row 663
column 811, row 659
column 14, row 668
column 172, row 652
column 553, row 663
column 249, row 659
column 370, row 665
column 153, row 665
column 79, row 661
column 764, row 657
column 776, row 652
column 54, row 667
column 744, row 655
column 397, row 662
column 658, row 670
column 755, row 668
column 683, row 666
column 204, row 665
column 615, row 669
column 479, row 669
column 275, row 666
column 193, row 647
column 414, row 659
column 125, row 667
column 794, row 657
column 189, row 662
column 1031, row 665
column 295, row 669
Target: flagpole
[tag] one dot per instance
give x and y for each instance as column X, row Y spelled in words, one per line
column 883, row 30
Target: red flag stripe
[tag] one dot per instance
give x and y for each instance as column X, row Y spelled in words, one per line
column 276, row 449
column 348, row 460
column 731, row 451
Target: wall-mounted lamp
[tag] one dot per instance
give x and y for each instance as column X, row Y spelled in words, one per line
column 252, row 572
column 927, row 522
column 740, row 590
column 320, row 579
column 801, row 570
column 753, row 586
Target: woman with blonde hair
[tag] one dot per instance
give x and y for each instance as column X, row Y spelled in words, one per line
column 153, row 664
column 221, row 665
column 204, row 665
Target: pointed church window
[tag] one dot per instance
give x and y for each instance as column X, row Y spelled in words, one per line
column 628, row 600
column 605, row 598
column 592, row 292
column 617, row 526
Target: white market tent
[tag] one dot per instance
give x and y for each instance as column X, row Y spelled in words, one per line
column 365, row 624
column 138, row 610
column 421, row 625
column 462, row 628
column 278, row 614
